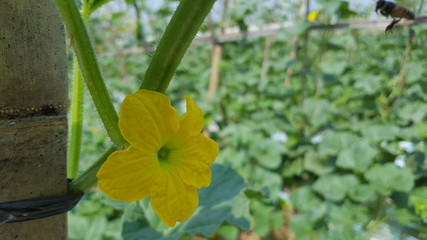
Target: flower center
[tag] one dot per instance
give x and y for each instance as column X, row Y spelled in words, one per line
column 163, row 154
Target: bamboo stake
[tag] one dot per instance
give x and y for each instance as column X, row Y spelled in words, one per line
column 214, row 77
column 33, row 108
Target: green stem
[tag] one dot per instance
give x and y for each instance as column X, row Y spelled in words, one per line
column 89, row 67
column 86, row 11
column 88, row 178
column 177, row 38
column 76, row 126
column 77, row 100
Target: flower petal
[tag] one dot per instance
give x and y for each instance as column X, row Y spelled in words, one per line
column 195, row 177
column 147, row 119
column 172, row 200
column 128, row 175
column 191, row 122
column 193, row 159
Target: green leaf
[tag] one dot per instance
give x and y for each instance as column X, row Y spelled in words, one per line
column 293, row 168
column 229, row 232
column 256, row 194
column 378, row 133
column 415, row 112
column 263, row 178
column 337, row 142
column 87, row 228
column 232, row 158
column 318, row 111
column 137, row 230
column 336, row 67
column 404, row 216
column 222, row 201
column 267, row 153
column 418, row 199
column 368, row 84
column 344, row 11
column 304, row 199
column 335, row 187
column 415, row 72
column 330, row 7
column 358, row 157
column 317, row 164
column 362, row 193
column 265, row 217
column 388, row 177
column 347, row 232
column 348, row 215
column 302, row 226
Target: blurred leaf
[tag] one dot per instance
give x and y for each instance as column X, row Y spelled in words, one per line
column 229, row 232
column 334, row 66
column 335, row 187
column 388, row 177
column 293, row 168
column 263, row 178
column 340, row 233
column 415, row 72
column 358, row 157
column 330, row 7
column 265, row 217
column 368, row 84
column 317, row 111
column 403, row 216
column 113, row 203
column 303, row 227
column 330, row 79
column 268, row 153
column 348, row 215
column 256, row 194
column 337, row 142
column 415, row 112
column 317, row 164
column 304, row 199
column 232, row 157
column 83, row 228
column 362, row 193
column 378, row 133
column 344, row 11
column 418, row 199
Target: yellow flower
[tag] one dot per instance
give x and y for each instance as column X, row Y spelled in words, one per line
column 168, row 158
column 312, row 16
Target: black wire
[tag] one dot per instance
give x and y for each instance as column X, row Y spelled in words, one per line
column 25, row 210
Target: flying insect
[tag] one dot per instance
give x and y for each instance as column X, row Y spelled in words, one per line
column 393, row 10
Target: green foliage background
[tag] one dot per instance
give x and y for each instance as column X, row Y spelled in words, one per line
column 329, row 144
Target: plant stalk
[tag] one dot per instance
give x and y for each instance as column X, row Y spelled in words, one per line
column 90, row 69
column 178, row 36
column 76, row 127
